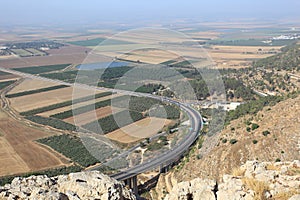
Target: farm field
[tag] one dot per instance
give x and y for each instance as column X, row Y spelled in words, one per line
column 140, row 129
column 239, row 56
column 65, row 108
column 21, row 52
column 88, row 117
column 30, row 84
column 66, row 54
column 36, row 52
column 7, row 76
column 96, row 41
column 25, row 103
column 19, row 152
column 153, row 56
column 42, row 69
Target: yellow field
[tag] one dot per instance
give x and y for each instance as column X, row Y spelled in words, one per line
column 18, row 151
column 141, row 129
column 29, row 102
column 87, row 117
column 59, row 110
column 31, row 84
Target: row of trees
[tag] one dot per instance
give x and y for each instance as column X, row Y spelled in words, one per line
column 63, row 104
column 28, row 92
column 42, row 69
column 55, row 123
column 71, row 147
column 113, row 122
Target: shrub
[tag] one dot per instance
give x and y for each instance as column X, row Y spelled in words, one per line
column 277, row 160
column 265, row 133
column 233, row 141
column 254, row 141
column 248, row 129
column 254, row 126
column 224, row 140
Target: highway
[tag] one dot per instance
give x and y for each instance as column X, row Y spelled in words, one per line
column 165, row 158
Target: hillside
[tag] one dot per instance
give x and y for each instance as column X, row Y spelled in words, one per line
column 270, row 135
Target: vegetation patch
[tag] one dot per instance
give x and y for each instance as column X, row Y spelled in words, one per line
column 55, row 123
column 4, row 84
column 109, row 124
column 71, row 147
column 42, row 69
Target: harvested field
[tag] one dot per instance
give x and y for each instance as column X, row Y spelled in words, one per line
column 67, row 54
column 63, row 109
column 88, row 117
column 7, row 76
column 31, row 84
column 141, row 129
column 19, row 152
column 25, row 103
column 239, row 56
column 11, row 162
column 153, row 56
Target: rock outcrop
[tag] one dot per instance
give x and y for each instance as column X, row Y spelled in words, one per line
column 75, row 186
column 253, row 180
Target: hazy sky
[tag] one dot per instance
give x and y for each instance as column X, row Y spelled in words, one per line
column 91, row 11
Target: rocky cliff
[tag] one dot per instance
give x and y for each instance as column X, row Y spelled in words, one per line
column 75, row 186
column 251, row 181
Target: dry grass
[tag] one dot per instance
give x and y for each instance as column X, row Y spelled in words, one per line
column 238, row 172
column 293, row 171
column 285, row 195
column 259, row 187
column 273, row 167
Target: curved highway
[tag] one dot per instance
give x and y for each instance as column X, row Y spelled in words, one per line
column 165, row 158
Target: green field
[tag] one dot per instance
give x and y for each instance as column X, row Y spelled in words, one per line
column 4, row 73
column 55, row 123
column 97, row 41
column 108, row 124
column 41, row 69
column 4, row 84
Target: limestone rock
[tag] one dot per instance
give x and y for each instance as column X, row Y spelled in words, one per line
column 260, row 179
column 75, row 186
